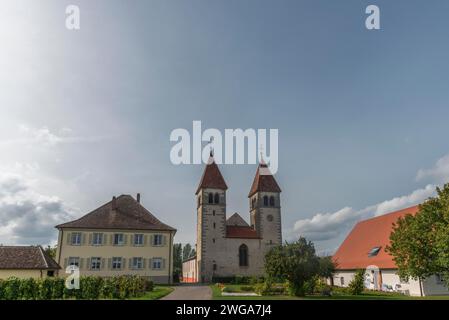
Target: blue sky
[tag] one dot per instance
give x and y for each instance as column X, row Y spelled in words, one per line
column 85, row 115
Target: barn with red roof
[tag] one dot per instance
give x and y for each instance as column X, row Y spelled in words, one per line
column 364, row 248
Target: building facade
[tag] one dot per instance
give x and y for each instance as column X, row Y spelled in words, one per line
column 364, row 248
column 26, row 262
column 227, row 247
column 119, row 238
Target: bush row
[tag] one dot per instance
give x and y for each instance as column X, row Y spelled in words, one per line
column 121, row 287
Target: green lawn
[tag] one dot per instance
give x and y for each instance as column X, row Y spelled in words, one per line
column 157, row 293
column 368, row 295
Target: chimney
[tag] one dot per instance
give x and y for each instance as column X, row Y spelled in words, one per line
column 138, row 197
column 114, row 203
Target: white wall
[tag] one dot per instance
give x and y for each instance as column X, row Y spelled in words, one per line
column 433, row 287
column 390, row 277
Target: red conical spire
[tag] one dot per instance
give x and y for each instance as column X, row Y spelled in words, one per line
column 264, row 180
column 212, row 177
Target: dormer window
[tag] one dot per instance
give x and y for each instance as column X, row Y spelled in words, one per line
column 374, row 252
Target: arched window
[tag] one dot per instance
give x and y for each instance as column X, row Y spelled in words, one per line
column 217, row 198
column 265, row 201
column 243, row 255
column 211, row 198
column 271, row 201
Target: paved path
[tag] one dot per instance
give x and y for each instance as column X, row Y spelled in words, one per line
column 190, row 293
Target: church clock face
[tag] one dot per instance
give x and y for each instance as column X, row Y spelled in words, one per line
column 270, row 217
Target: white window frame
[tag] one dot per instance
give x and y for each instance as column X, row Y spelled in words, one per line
column 97, row 239
column 156, row 263
column 77, row 236
column 73, row 261
column 158, row 240
column 117, row 263
column 137, row 263
column 118, row 242
column 138, row 236
column 97, row 263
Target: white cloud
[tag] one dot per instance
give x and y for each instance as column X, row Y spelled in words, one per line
column 439, row 173
column 27, row 216
column 46, row 137
column 329, row 226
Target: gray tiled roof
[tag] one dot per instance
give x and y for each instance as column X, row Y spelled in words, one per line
column 124, row 212
column 25, row 257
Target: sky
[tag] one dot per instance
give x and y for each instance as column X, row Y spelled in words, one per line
column 87, row 114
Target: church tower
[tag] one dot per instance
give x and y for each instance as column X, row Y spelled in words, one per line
column 265, row 207
column 211, row 221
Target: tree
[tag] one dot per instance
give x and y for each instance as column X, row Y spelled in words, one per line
column 187, row 252
column 51, row 251
column 177, row 261
column 295, row 262
column 327, row 267
column 420, row 244
column 357, row 285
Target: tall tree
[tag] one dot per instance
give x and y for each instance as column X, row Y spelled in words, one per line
column 420, row 244
column 187, row 251
column 177, row 261
column 295, row 262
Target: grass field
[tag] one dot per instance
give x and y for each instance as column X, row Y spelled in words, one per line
column 368, row 295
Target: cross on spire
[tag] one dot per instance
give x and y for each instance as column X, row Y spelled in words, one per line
column 261, row 149
column 211, row 140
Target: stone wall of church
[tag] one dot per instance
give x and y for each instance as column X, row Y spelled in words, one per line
column 228, row 264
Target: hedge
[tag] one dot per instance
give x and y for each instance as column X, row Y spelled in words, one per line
column 91, row 287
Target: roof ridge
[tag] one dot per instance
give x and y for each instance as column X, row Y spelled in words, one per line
column 388, row 213
column 43, row 257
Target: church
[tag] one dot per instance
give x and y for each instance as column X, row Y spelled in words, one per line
column 227, row 247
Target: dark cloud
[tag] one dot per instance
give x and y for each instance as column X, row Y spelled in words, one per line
column 27, row 217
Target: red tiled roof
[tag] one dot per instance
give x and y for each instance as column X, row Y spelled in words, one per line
column 212, row 177
column 264, row 181
column 241, row 232
column 237, row 221
column 26, row 257
column 366, row 235
column 123, row 212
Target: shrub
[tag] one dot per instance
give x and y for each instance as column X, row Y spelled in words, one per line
column 255, row 280
column 29, row 289
column 357, row 285
column 58, row 288
column 45, row 289
column 91, row 287
column 264, row 288
column 108, row 289
column 12, row 289
column 323, row 288
column 149, row 285
column 2, row 289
